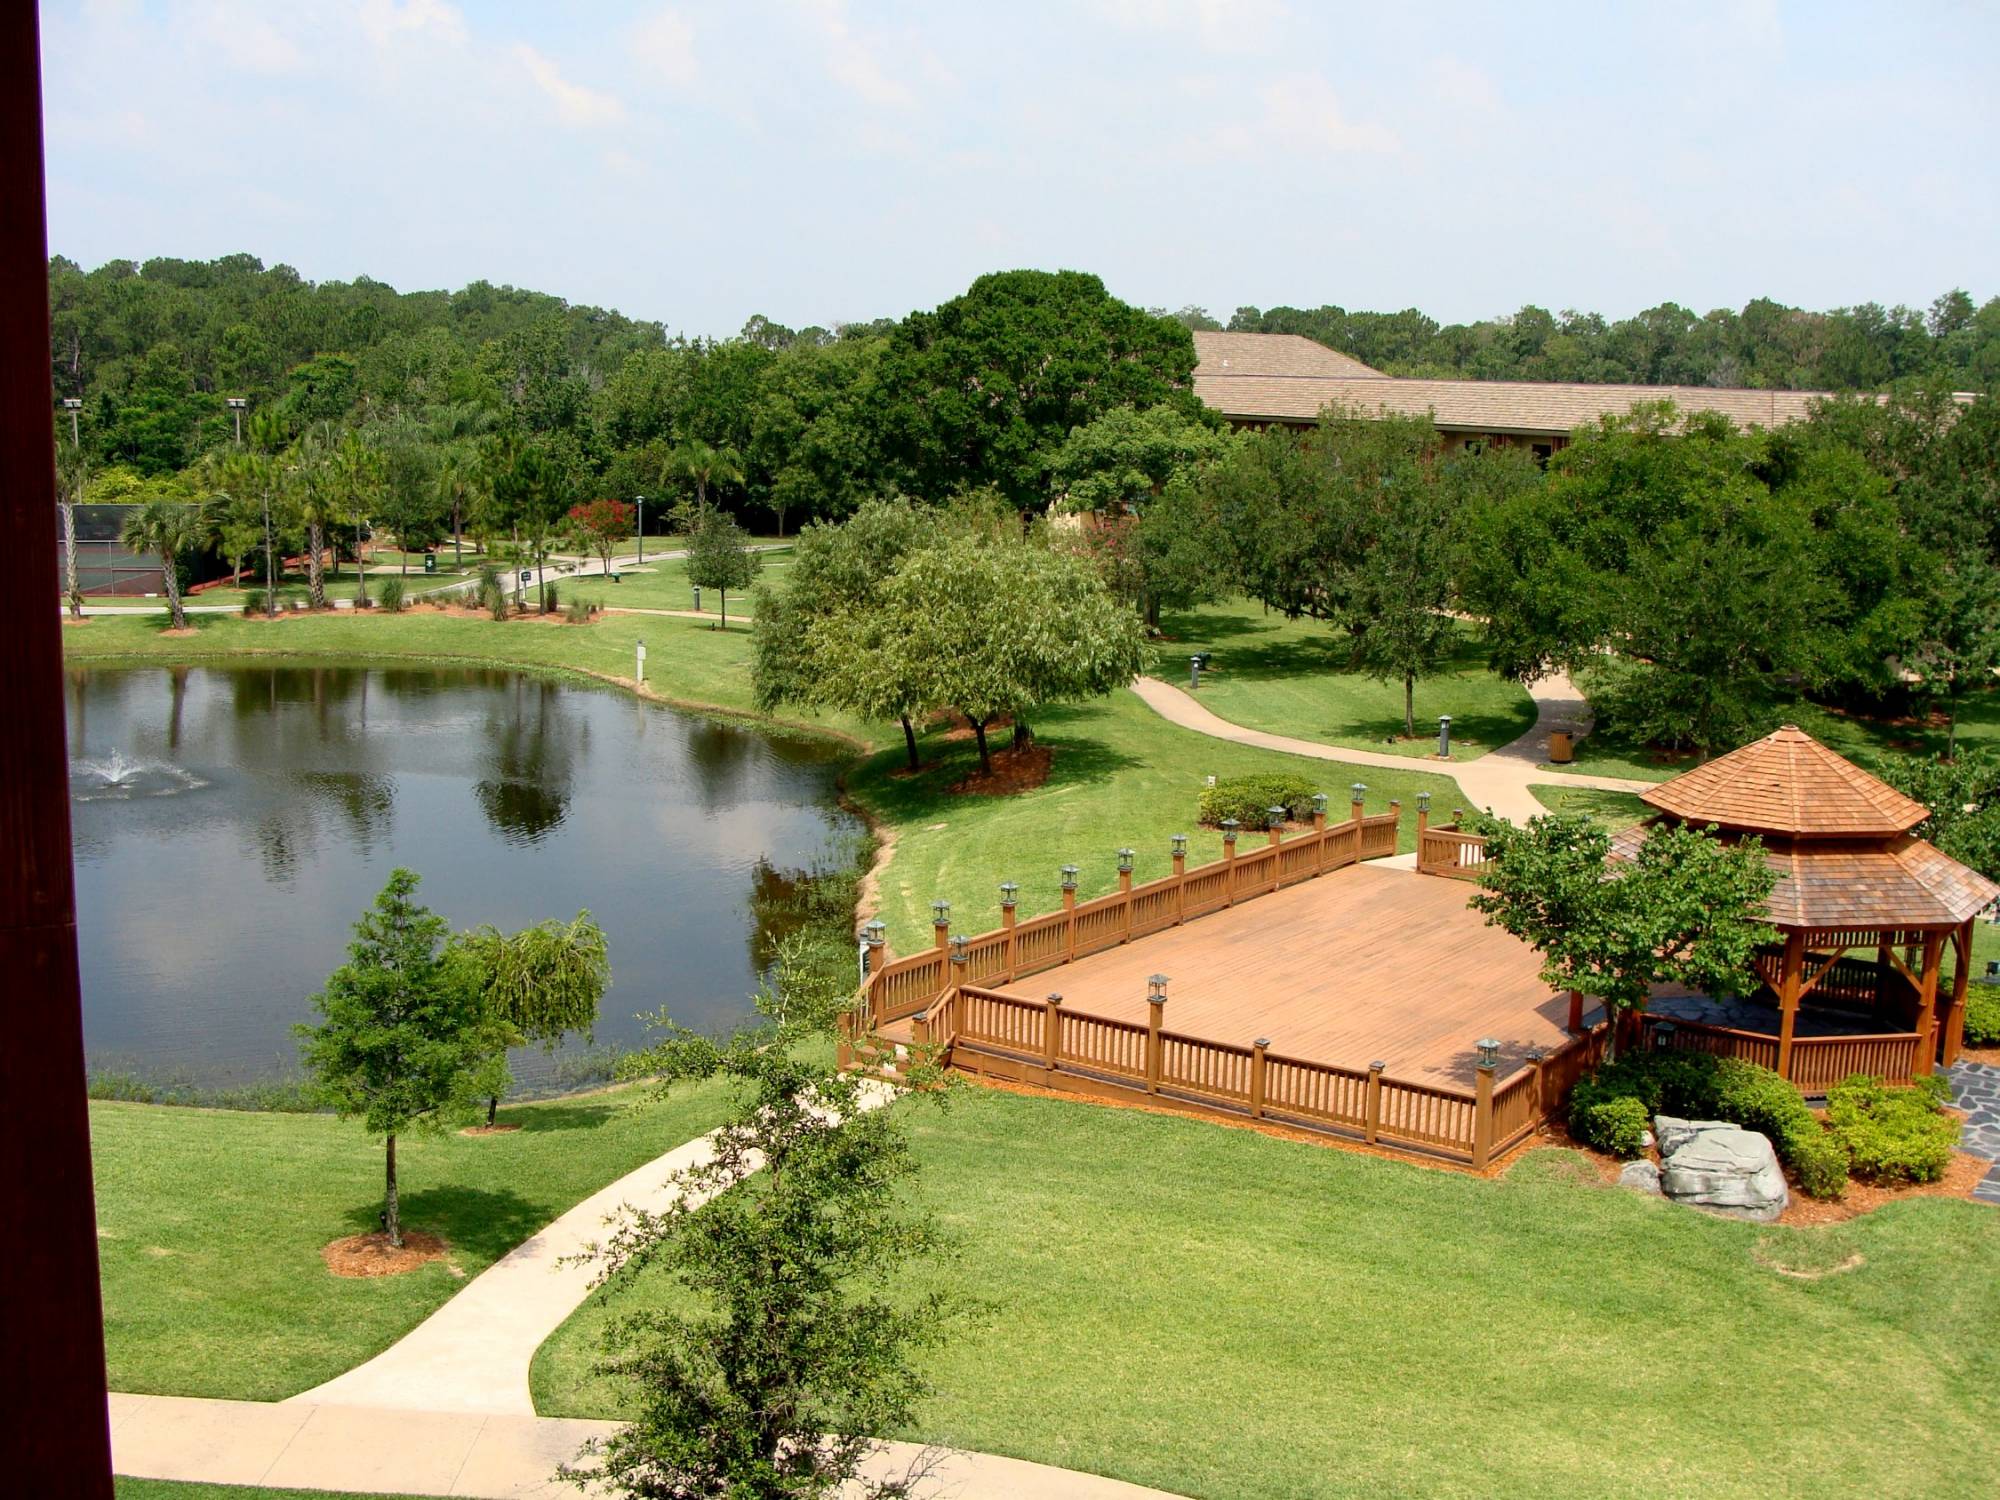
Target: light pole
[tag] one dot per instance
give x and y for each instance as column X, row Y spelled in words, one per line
column 642, row 530
column 237, row 406
column 72, row 405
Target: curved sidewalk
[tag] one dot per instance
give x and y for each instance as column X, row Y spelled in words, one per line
column 1497, row 782
column 297, row 1445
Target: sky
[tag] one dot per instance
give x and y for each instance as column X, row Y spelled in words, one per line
column 822, row 161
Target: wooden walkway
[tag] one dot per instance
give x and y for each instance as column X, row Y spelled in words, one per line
column 1365, row 964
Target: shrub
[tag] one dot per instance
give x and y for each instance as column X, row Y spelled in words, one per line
column 1982, row 1015
column 1758, row 1099
column 1820, row 1162
column 1249, row 799
column 1615, row 1124
column 1892, row 1134
column 580, row 611
column 253, row 604
column 551, row 600
column 390, row 595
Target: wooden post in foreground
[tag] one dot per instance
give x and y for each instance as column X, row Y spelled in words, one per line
column 1954, row 1021
column 1319, row 832
column 1156, row 998
column 1788, row 998
column 1069, row 873
column 1372, row 1122
column 1482, row 1108
column 1575, row 1012
column 1051, row 1030
column 1259, row 1063
column 1180, row 877
column 1926, row 1059
column 58, row 1440
column 1229, row 830
column 1009, row 894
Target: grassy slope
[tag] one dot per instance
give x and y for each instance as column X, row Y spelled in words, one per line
column 1290, row 677
column 1615, row 810
column 169, row 1489
column 1222, row 1314
column 210, row 1224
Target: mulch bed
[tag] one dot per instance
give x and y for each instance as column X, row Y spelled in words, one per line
column 373, row 1255
column 1014, row 771
column 1987, row 1055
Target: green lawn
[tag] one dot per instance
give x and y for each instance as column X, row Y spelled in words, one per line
column 1291, row 677
column 1615, row 810
column 1221, row 1314
column 1121, row 777
column 210, row 1224
column 663, row 584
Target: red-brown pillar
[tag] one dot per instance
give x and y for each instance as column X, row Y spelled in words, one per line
column 58, row 1441
column 1926, row 1058
column 1789, row 981
column 1954, row 1016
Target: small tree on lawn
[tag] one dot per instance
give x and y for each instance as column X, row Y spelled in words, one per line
column 403, row 1030
column 166, row 528
column 720, row 556
column 1686, row 910
column 601, row 525
column 538, row 985
column 794, row 1351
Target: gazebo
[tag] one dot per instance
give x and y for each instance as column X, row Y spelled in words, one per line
column 1866, row 913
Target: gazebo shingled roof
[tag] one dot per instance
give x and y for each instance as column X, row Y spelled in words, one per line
column 1788, row 783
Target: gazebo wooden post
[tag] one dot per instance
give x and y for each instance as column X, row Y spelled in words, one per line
column 1575, row 1012
column 1953, row 1021
column 1789, row 982
column 1926, row 1058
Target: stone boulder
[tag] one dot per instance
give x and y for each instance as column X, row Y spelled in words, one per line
column 1721, row 1167
column 1641, row 1176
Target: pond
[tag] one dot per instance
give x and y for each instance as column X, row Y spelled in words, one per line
column 230, row 823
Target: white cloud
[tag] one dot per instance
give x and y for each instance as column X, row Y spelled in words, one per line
column 575, row 104
column 387, row 22
column 1302, row 113
column 852, row 61
column 665, row 43
column 1219, row 25
column 245, row 36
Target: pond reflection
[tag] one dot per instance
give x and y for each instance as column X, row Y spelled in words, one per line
column 278, row 798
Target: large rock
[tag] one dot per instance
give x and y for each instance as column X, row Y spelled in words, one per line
column 1720, row 1167
column 1641, row 1176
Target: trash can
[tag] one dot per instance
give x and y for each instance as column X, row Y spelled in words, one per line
column 430, row 562
column 1561, row 751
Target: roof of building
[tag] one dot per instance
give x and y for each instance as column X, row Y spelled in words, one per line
column 1261, row 356
column 1788, row 783
column 1526, row 407
column 1864, row 884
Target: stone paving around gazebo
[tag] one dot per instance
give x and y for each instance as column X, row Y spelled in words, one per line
column 1975, row 1088
column 1754, row 1015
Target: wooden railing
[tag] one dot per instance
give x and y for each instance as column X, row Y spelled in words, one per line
column 1040, row 1041
column 1819, row 1062
column 1448, row 852
column 909, row 986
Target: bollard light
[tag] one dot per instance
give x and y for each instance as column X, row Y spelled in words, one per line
column 876, row 933
column 961, row 949
column 1274, row 817
column 1156, row 989
column 1194, row 673
column 1663, row 1036
column 1008, row 892
column 1124, row 861
column 1319, row 804
column 1262, row 1042
column 1069, row 877
column 1444, row 736
column 1180, row 852
column 1423, row 802
column 1358, row 793
column 941, row 913
column 1489, row 1051
column 1229, row 827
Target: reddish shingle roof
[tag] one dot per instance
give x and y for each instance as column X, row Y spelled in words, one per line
column 1254, row 356
column 1788, row 783
column 1528, row 407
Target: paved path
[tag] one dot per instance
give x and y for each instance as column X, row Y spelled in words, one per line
column 472, row 1354
column 1498, row 781
column 1975, row 1088
column 294, row 1445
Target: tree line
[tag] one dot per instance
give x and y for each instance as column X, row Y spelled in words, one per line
column 1766, row 345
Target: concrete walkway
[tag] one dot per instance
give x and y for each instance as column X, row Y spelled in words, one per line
column 472, row 1354
column 295, row 1445
column 1497, row 782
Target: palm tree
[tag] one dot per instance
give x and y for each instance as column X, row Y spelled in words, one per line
column 72, row 475
column 313, row 503
column 165, row 528
column 697, row 461
column 357, row 475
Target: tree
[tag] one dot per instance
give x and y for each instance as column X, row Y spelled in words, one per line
column 539, row 984
column 987, row 629
column 719, row 556
column 1963, row 795
column 532, row 486
column 357, row 476
column 795, row 1348
column 1686, row 909
column 701, row 465
column 72, row 481
column 316, row 503
column 1958, row 645
column 836, row 571
column 167, row 528
column 602, row 525
column 986, row 388
column 402, row 1033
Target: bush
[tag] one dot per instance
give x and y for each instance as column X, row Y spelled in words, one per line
column 1615, row 1124
column 390, row 595
column 581, row 611
column 1820, row 1161
column 551, row 600
column 1758, row 1099
column 1892, row 1134
column 1982, row 1015
column 1249, row 799
column 253, row 604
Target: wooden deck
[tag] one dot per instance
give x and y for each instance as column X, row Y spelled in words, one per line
column 1361, row 965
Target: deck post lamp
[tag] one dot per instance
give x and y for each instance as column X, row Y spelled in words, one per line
column 1156, row 990
column 1125, row 857
column 1229, row 831
column 1444, row 736
column 1663, row 1036
column 1489, row 1052
column 1069, row 873
column 961, row 951
column 1357, row 794
column 874, row 935
column 1319, row 810
column 941, row 921
column 1179, row 846
column 1009, row 896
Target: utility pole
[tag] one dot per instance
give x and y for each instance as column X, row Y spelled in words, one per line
column 642, row 529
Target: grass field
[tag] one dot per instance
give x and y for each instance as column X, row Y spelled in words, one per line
column 210, row 1224
column 1222, row 1314
column 1291, row 677
column 169, row 1489
column 1615, row 810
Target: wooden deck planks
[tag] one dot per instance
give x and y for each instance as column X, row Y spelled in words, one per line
column 1360, row 964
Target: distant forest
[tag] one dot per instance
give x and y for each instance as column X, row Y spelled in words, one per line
column 1767, row 345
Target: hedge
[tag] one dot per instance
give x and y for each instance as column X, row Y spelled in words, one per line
column 1249, row 799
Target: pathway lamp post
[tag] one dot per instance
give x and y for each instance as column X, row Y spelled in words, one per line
column 697, row 598
column 1194, row 673
column 1444, row 736
column 641, row 501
